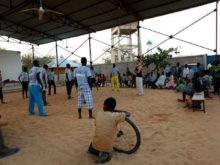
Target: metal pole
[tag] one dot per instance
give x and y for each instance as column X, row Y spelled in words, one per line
column 138, row 28
column 33, row 52
column 216, row 30
column 90, row 52
column 58, row 75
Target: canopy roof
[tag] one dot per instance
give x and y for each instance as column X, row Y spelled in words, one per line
column 80, row 17
column 62, row 63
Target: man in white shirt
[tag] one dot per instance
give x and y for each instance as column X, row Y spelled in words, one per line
column 185, row 71
column 23, row 78
column 51, row 81
column 35, row 87
column 68, row 79
column 44, row 82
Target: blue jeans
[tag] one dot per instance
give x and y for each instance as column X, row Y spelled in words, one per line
column 35, row 96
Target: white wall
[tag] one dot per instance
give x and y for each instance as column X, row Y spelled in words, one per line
column 10, row 64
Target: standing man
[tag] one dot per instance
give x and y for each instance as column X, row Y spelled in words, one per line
column 51, row 81
column 216, row 69
column 44, row 82
column 199, row 68
column 1, row 85
column 93, row 75
column 114, row 79
column 68, row 77
column 23, row 78
column 139, row 78
column 185, row 71
column 83, row 77
column 35, row 87
column 191, row 73
column 178, row 70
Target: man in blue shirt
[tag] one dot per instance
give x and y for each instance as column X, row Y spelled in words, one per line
column 93, row 76
column 114, row 79
column 83, row 77
column 199, row 68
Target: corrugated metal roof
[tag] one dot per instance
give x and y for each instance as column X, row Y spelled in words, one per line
column 80, row 17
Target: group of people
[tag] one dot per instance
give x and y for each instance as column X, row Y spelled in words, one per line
column 115, row 77
column 106, row 121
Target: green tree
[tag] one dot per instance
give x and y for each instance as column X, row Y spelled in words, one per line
column 27, row 60
column 107, row 60
column 159, row 59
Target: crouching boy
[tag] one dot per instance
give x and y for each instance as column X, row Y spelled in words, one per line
column 105, row 129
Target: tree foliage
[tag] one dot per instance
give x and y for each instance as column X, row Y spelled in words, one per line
column 27, row 60
column 159, row 59
column 107, row 60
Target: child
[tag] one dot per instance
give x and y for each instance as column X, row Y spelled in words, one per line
column 106, row 124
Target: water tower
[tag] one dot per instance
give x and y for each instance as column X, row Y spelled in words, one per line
column 149, row 47
column 123, row 52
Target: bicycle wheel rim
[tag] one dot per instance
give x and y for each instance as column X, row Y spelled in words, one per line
column 127, row 146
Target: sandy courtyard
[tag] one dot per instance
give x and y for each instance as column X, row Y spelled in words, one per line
column 171, row 134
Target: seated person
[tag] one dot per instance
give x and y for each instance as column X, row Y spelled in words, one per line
column 5, row 151
column 170, row 83
column 197, row 84
column 105, row 130
column 153, row 79
column 180, row 86
column 161, row 80
column 207, row 81
column 188, row 89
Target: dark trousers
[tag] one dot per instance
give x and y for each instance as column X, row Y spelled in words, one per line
column 52, row 83
column 1, row 94
column 216, row 85
column 2, row 145
column 184, row 95
column 24, row 88
column 68, row 87
column 44, row 97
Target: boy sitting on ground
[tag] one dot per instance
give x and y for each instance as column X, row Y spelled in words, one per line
column 106, row 125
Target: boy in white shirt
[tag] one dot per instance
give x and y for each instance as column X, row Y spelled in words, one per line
column 23, row 78
column 51, row 81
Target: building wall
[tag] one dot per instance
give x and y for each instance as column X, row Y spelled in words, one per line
column 10, row 64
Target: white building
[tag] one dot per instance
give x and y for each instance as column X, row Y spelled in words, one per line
column 10, row 64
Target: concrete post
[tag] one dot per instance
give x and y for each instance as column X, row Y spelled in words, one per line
column 33, row 53
column 112, row 49
column 90, row 50
column 119, row 45
column 130, row 47
column 58, row 73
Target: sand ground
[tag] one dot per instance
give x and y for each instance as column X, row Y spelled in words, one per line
column 171, row 134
